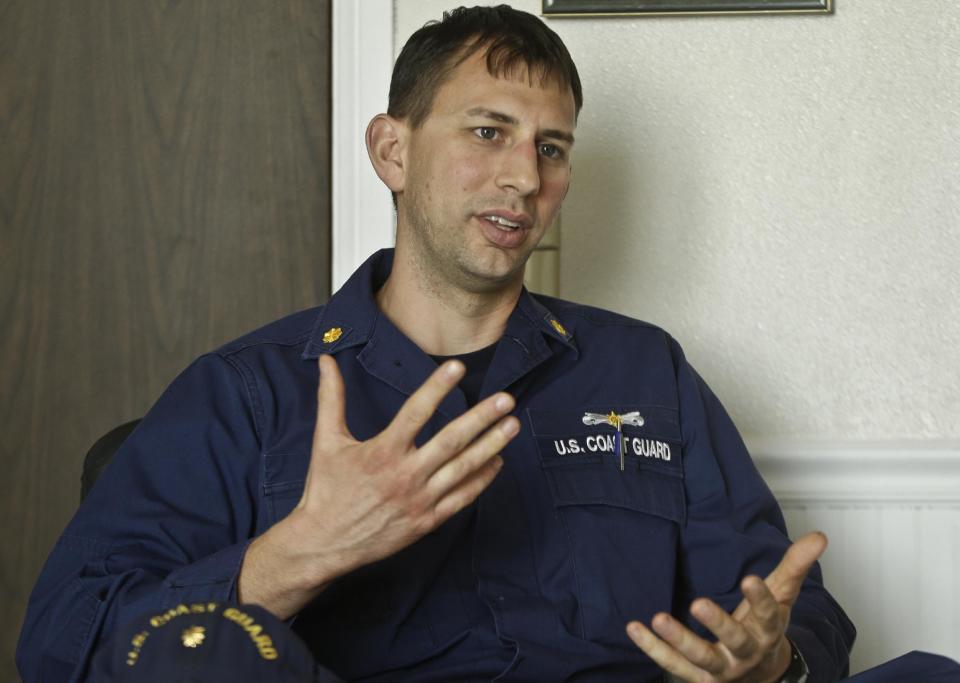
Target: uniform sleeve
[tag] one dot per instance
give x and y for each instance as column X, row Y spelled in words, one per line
column 168, row 522
column 735, row 528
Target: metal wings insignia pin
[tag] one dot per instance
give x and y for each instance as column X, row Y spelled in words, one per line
column 617, row 421
column 613, row 419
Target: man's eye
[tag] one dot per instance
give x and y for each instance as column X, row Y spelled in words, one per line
column 551, row 151
column 485, row 132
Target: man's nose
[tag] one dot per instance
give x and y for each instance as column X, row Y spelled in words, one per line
column 520, row 169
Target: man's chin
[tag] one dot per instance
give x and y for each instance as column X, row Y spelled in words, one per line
column 495, row 277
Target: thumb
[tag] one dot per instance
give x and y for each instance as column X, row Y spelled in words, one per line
column 787, row 578
column 331, row 399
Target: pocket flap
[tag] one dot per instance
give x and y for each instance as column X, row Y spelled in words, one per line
column 600, row 484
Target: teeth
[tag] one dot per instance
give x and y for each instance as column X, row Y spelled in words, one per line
column 502, row 221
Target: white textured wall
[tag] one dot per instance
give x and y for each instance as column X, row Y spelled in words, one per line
column 782, row 193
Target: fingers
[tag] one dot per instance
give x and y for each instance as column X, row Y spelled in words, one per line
column 331, row 418
column 740, row 641
column 423, row 403
column 764, row 620
column 463, row 465
column 467, row 491
column 456, row 469
column 753, row 631
column 666, row 655
column 787, row 578
column 459, row 434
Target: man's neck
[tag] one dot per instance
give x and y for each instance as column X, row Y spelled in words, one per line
column 444, row 320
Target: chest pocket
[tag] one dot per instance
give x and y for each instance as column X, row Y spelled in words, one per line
column 621, row 529
column 284, row 475
column 580, row 456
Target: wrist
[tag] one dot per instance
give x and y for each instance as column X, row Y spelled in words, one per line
column 277, row 574
column 779, row 662
column 795, row 668
column 314, row 563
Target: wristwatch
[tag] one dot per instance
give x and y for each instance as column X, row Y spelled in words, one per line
column 797, row 671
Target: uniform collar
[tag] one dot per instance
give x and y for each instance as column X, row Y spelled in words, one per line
column 351, row 316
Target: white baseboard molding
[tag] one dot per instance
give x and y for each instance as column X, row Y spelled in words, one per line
column 908, row 472
column 892, row 513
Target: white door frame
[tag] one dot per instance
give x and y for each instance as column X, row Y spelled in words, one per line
column 363, row 219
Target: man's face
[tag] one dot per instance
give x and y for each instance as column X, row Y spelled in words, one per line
column 486, row 174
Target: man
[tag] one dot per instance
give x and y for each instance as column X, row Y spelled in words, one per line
column 487, row 484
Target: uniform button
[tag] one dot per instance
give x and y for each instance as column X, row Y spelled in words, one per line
column 500, row 598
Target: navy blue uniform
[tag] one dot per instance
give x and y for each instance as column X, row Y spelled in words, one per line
column 534, row 582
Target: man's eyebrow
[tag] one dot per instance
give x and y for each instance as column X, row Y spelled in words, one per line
column 509, row 120
column 491, row 114
column 557, row 135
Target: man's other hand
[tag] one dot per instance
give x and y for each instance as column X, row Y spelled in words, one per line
column 365, row 500
column 751, row 646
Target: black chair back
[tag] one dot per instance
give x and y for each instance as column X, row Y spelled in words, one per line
column 100, row 454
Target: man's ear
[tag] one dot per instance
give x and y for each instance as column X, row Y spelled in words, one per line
column 386, row 145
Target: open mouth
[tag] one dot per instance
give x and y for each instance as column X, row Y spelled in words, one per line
column 502, row 223
column 503, row 232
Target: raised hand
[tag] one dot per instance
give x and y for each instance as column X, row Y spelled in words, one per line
column 365, row 500
column 386, row 492
column 751, row 642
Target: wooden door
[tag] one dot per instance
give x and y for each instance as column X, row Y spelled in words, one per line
column 164, row 187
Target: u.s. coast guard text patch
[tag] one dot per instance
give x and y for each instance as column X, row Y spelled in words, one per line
column 626, row 436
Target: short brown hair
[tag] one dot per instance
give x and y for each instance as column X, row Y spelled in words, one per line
column 513, row 40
